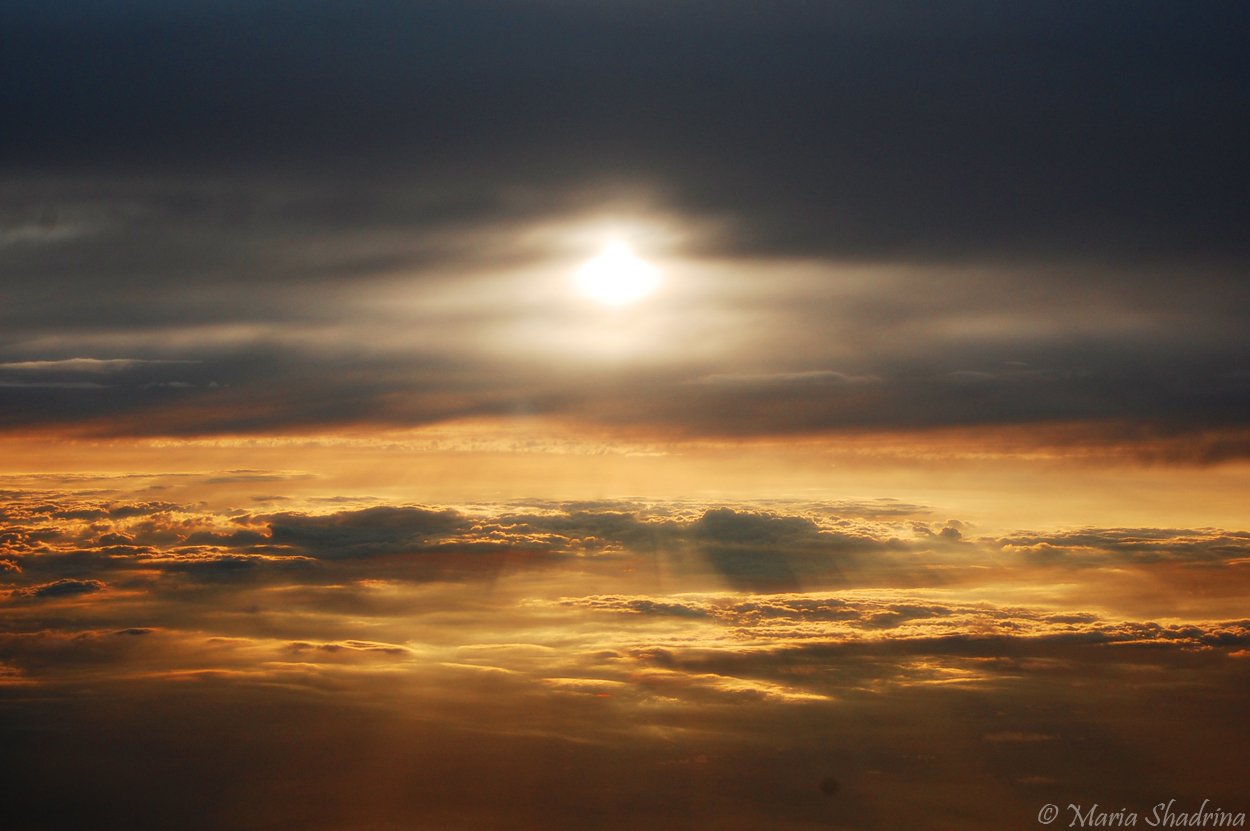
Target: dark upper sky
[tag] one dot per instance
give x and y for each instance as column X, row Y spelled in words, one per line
column 1045, row 203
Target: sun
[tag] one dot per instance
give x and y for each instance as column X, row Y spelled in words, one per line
column 617, row 277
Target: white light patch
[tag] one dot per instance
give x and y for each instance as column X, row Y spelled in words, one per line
column 617, row 277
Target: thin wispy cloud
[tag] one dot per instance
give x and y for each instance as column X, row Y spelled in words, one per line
column 84, row 364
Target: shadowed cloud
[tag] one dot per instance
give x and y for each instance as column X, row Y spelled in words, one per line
column 486, row 637
column 887, row 218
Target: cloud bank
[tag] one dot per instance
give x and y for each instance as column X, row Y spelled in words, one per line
column 281, row 218
column 727, row 660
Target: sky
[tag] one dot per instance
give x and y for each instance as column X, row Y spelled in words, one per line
column 898, row 480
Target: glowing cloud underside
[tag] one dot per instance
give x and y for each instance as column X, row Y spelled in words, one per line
column 617, row 277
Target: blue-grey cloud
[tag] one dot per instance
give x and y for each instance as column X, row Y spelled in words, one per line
column 1044, row 202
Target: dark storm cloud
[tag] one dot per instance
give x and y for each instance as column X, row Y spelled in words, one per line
column 194, row 201
column 276, row 353
column 853, row 128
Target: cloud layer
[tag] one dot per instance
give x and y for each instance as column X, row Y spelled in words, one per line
column 279, row 218
column 285, row 287
column 630, row 657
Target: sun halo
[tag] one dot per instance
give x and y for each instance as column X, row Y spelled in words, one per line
column 617, row 277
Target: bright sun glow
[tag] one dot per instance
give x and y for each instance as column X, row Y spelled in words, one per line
column 617, row 277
